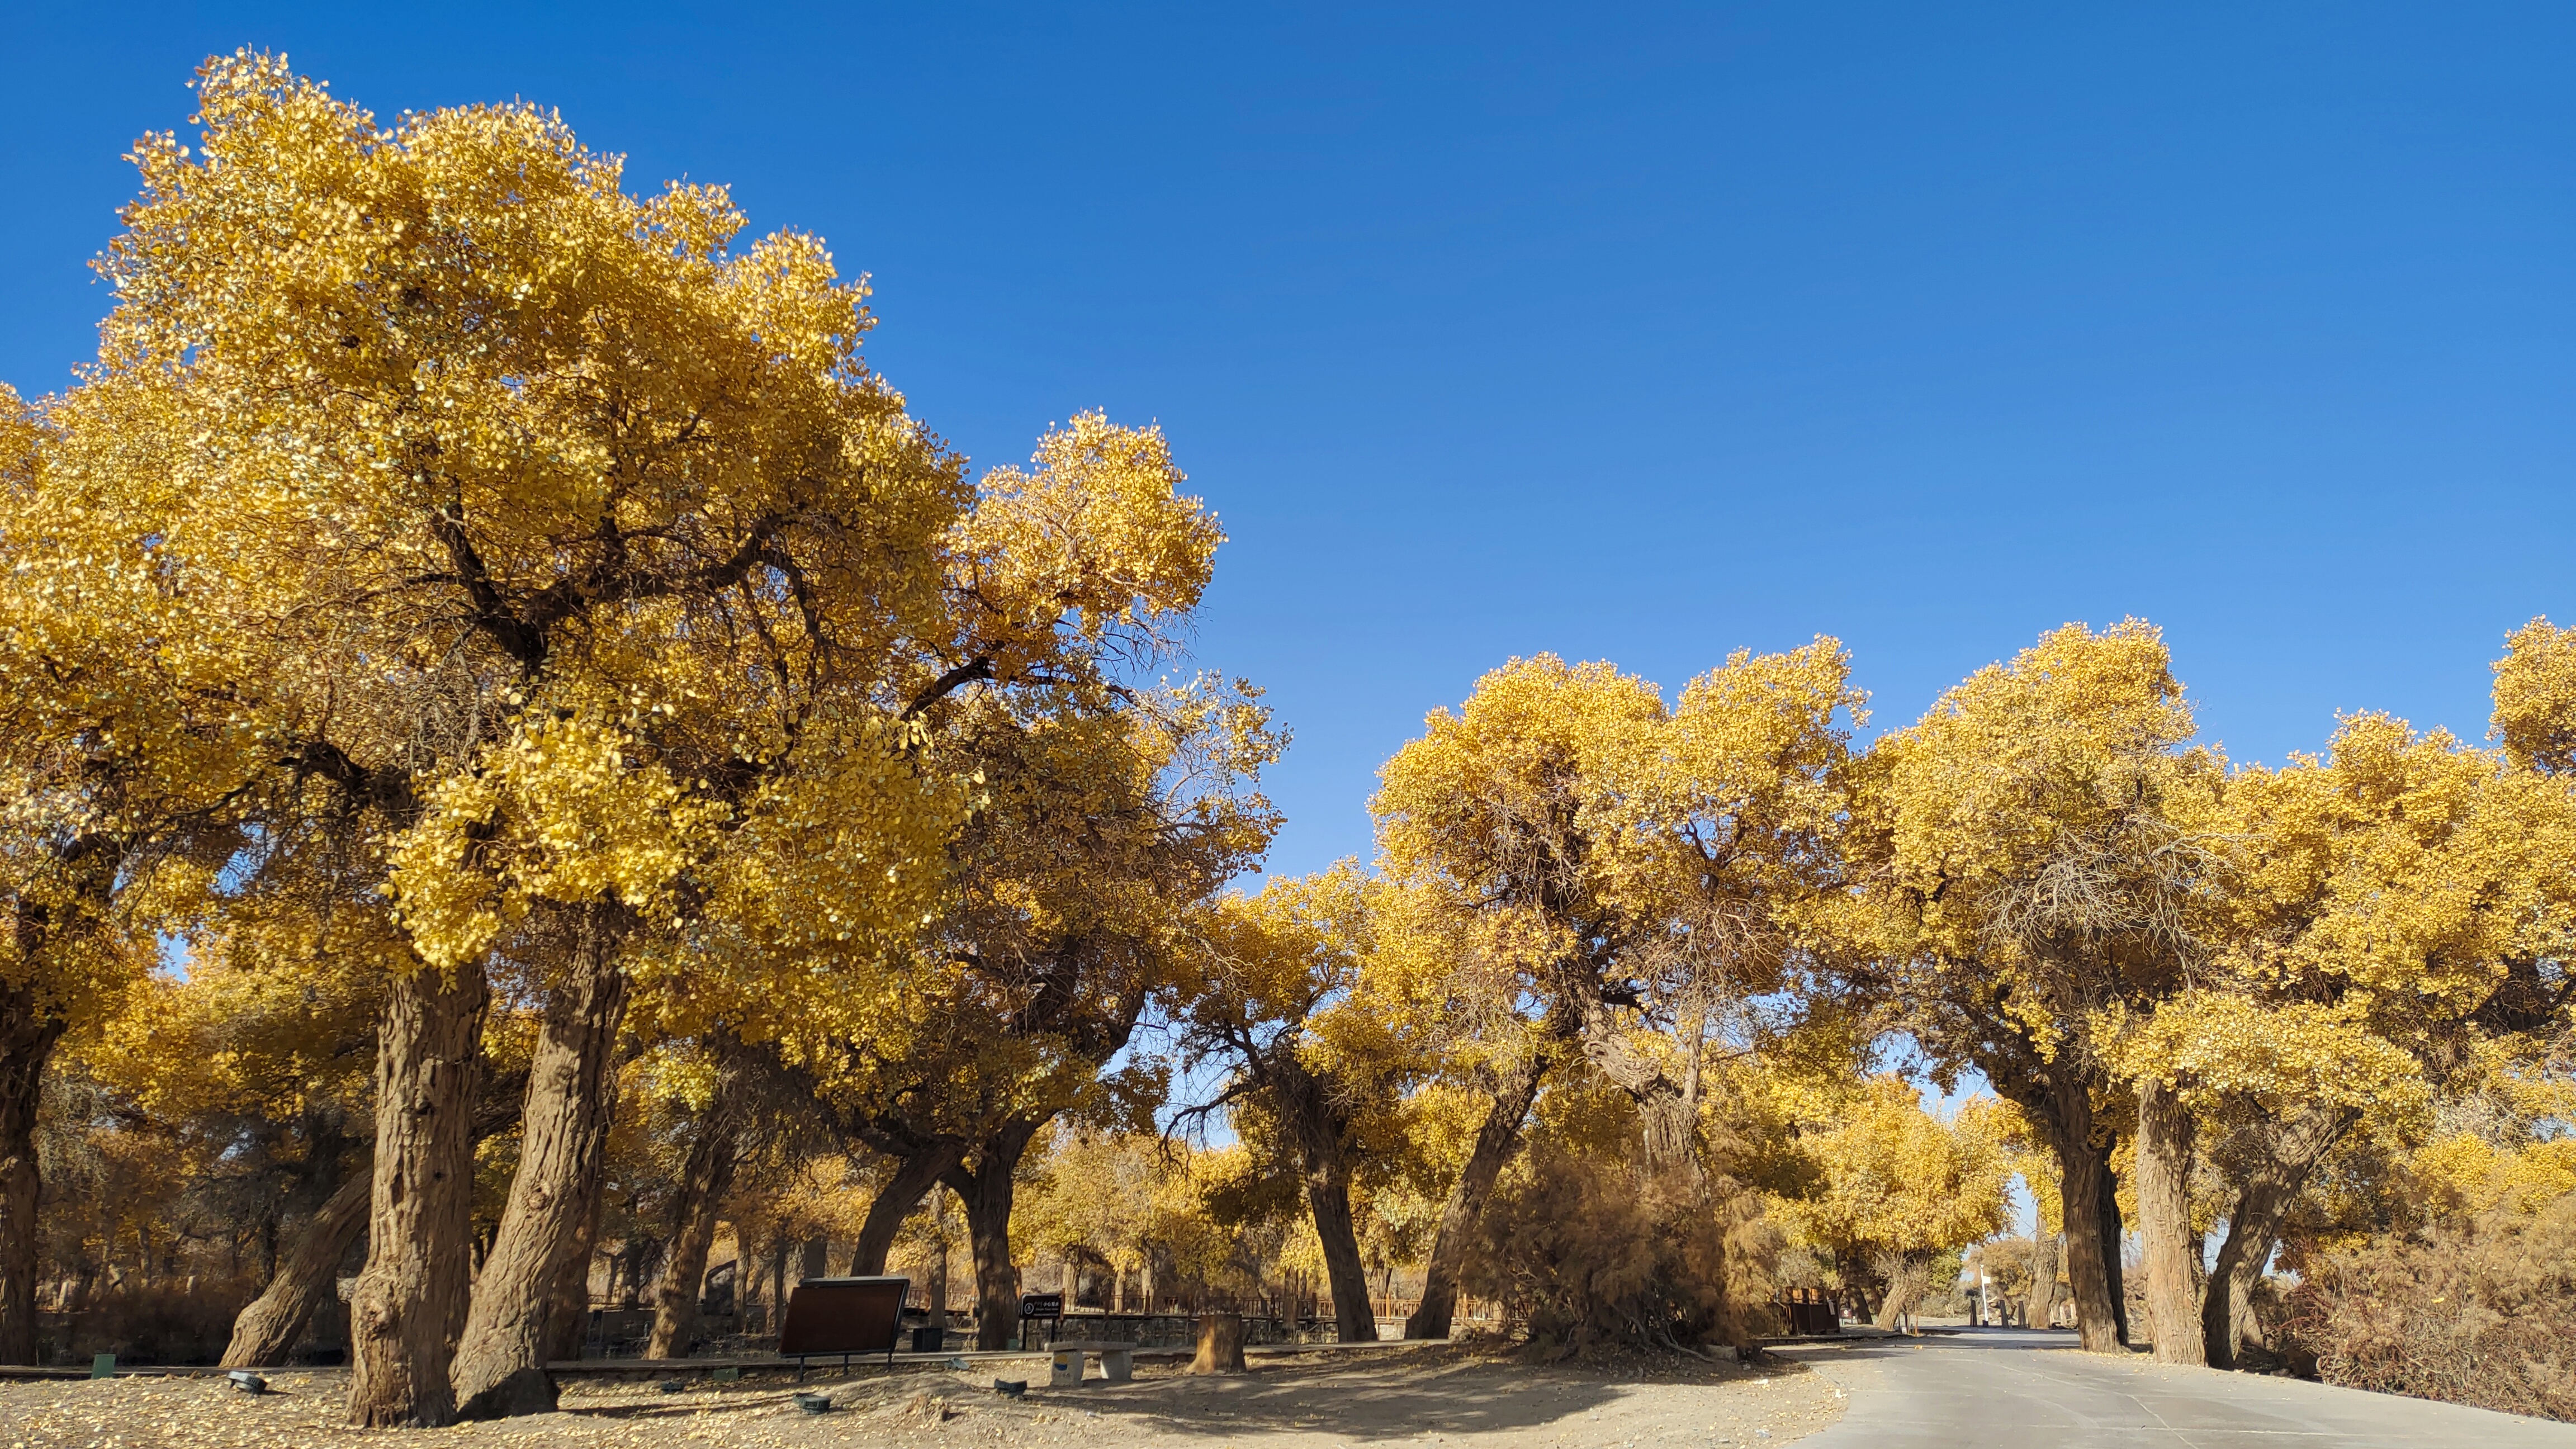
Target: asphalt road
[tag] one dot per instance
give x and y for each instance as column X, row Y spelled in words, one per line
column 2012, row 1387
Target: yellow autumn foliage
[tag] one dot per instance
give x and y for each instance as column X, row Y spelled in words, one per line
column 1893, row 1178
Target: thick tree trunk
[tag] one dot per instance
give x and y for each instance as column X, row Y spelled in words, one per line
column 1903, row 1279
column 704, row 1179
column 936, row 1296
column 1496, row 1141
column 2107, row 1207
column 568, row 1321
column 572, row 1091
column 30, row 1026
column 27, row 1037
column 409, row 1302
column 1668, row 1119
column 2041, row 1308
column 2091, row 1271
column 1891, row 1309
column 2293, row 1147
column 1220, row 1338
column 913, row 1179
column 1354, row 1319
column 2165, row 1131
column 986, row 1191
column 265, row 1332
column 1306, row 1103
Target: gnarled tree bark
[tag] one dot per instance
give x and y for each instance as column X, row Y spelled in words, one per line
column 2106, row 1201
column 2041, row 1307
column 2291, row 1149
column 1667, row 1118
column 914, row 1176
column 986, row 1191
column 2088, row 1194
column 265, row 1332
column 1319, row 1128
column 705, row 1177
column 1496, row 1140
column 568, row 1321
column 2165, row 1132
column 409, row 1302
column 500, row 1360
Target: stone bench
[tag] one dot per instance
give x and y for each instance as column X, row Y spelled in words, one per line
column 1117, row 1362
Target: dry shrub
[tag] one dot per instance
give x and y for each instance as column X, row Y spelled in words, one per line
column 167, row 1322
column 1583, row 1251
column 2474, row 1312
column 1905, row 1281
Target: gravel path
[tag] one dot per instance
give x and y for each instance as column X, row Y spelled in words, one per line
column 1446, row 1396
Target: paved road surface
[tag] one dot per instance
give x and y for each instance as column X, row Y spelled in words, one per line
column 2013, row 1387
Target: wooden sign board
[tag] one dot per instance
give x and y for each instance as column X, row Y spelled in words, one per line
column 842, row 1316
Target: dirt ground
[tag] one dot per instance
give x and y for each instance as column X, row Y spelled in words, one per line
column 1447, row 1396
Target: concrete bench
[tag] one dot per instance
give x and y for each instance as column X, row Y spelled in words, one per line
column 1117, row 1362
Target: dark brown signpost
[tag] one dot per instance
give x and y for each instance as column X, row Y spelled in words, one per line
column 846, row 1316
column 1049, row 1306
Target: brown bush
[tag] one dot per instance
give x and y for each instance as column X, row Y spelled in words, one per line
column 1583, row 1251
column 2474, row 1312
column 168, row 1322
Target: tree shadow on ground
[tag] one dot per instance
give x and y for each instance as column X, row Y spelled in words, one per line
column 1395, row 1398
column 1402, row 1394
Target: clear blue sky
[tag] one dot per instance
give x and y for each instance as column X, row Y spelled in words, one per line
column 1622, row 332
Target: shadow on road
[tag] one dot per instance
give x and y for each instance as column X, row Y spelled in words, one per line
column 2002, row 1386
column 1408, row 1395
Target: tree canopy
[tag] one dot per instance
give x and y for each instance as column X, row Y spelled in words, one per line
column 529, row 769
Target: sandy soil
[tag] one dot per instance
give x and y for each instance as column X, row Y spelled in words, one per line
column 1447, row 1396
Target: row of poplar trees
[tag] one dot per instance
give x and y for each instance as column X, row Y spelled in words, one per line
column 2215, row 981
column 509, row 611
column 476, row 594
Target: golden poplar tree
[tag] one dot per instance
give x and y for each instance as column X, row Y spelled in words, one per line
column 125, row 746
column 2030, row 849
column 1280, row 1003
column 1101, row 805
column 1616, row 861
column 2384, row 927
column 1896, row 1186
column 580, row 547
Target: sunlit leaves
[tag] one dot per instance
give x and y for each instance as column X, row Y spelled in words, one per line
column 1893, row 1178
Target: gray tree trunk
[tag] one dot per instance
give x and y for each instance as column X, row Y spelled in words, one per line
column 568, row 1320
column 410, row 1300
column 2041, row 1307
column 2085, row 1189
